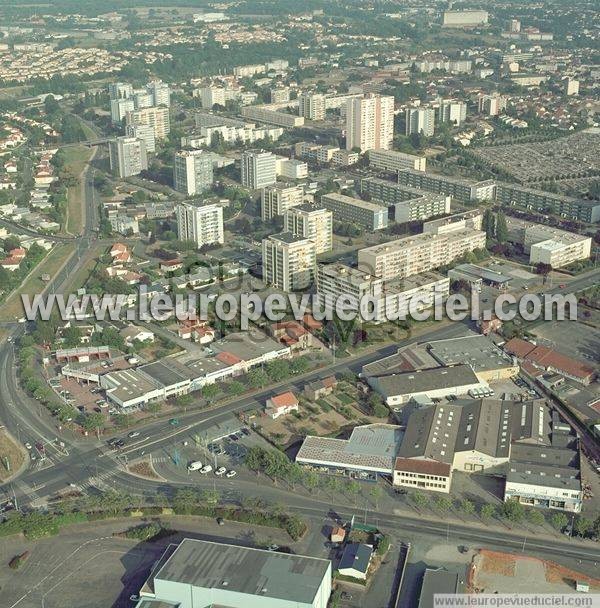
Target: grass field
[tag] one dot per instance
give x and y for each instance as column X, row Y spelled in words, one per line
column 76, row 159
column 11, row 454
column 13, row 306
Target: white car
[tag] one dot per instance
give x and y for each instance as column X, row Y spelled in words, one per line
column 28, row 445
column 220, row 471
column 133, row 434
column 206, row 469
column 231, row 473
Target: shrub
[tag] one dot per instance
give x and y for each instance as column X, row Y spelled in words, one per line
column 18, row 560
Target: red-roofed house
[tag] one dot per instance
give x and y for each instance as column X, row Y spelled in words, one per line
column 548, row 359
column 228, row 358
column 120, row 253
column 292, row 334
column 281, row 404
column 311, row 323
column 421, row 473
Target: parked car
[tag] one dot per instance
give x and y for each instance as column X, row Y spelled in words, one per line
column 174, row 421
column 133, row 434
column 220, row 471
column 231, row 473
column 194, row 466
column 206, row 469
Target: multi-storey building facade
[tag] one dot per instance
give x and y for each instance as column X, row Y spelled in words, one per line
column 192, row 171
column 408, row 204
column 460, row 189
column 390, row 160
column 419, row 253
column 127, row 156
column 156, row 117
column 288, row 261
column 277, row 198
column 201, row 224
column 259, row 169
column 420, row 120
column 145, row 132
column 353, row 210
column 312, row 106
column 312, row 223
column 370, row 122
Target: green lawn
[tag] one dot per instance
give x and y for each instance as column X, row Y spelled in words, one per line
column 76, row 159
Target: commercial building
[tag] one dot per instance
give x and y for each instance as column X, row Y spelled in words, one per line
column 311, row 106
column 201, row 224
column 478, row 275
column 460, row 189
column 127, row 156
column 313, row 223
column 420, row 120
column 145, row 132
column 192, row 172
column 202, row 573
column 272, row 116
column 353, row 210
column 454, row 112
column 465, row 18
column 435, row 383
column 514, row 195
column 156, row 117
column 288, row 261
column 549, row 245
column 392, row 161
column 368, row 453
column 419, row 253
column 277, row 198
column 406, row 204
column 259, row 169
column 439, row 581
column 369, row 122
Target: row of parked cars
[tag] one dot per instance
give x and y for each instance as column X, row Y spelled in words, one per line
column 196, row 465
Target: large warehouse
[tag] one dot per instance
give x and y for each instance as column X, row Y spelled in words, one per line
column 201, row 573
column 369, row 452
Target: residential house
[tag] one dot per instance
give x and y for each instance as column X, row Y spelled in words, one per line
column 320, row 388
column 281, row 404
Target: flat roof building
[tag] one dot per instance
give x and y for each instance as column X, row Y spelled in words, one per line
column 202, row 573
column 313, row 223
column 393, row 161
column 288, row 261
column 353, row 210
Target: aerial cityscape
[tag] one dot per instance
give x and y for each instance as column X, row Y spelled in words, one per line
column 299, row 303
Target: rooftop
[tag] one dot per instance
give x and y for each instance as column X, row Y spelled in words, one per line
column 373, row 446
column 235, row 569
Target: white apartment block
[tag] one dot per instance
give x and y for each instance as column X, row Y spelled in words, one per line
column 258, row 168
column 370, row 122
column 420, row 120
column 120, row 90
column 277, row 198
column 280, row 95
column 119, row 108
column 192, row 171
column 203, row 225
column 465, row 18
column 337, row 280
column 392, row 161
column 127, row 156
column 311, row 223
column 549, row 245
column 288, row 261
column 467, row 220
column 145, row 132
column 454, row 112
column 156, row 117
column 272, row 116
column 160, row 92
column 454, row 66
column 247, row 71
column 312, row 106
column 291, row 168
column 356, row 211
column 417, row 254
column 492, row 105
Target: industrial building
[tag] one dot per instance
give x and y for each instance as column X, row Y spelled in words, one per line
column 202, row 573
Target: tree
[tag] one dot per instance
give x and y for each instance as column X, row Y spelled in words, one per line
column 92, row 422
column 583, row 526
column 559, row 521
column 299, row 365
column 210, row 391
column 257, row 378
column 184, row 501
column 513, row 511
column 278, row 370
column 467, row 507
column 153, row 408
column 210, row 497
column 376, row 493
column 235, row 388
column 487, row 511
column 443, row 503
column 501, row 228
column 420, row 500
